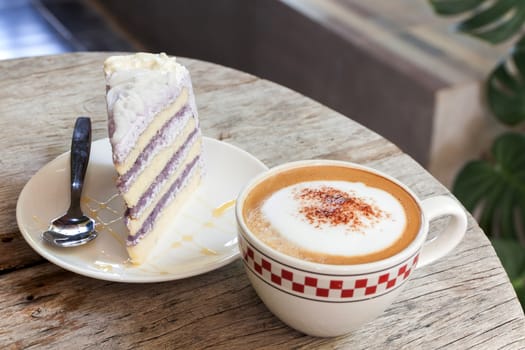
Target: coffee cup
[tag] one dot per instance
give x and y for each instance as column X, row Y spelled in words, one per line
column 328, row 245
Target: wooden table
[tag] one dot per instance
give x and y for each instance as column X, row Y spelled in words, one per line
column 464, row 300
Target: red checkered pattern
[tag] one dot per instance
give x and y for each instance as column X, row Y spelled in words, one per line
column 343, row 288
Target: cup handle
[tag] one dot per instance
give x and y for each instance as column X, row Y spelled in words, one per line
column 445, row 241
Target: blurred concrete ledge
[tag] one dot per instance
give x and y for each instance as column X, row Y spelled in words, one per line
column 393, row 66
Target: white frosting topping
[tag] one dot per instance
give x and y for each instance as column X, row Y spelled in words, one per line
column 287, row 210
column 141, row 60
column 139, row 87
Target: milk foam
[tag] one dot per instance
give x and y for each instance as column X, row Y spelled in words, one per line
column 283, row 211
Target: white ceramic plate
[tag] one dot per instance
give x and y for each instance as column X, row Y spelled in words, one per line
column 203, row 236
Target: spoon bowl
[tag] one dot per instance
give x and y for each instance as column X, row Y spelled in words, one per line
column 70, row 232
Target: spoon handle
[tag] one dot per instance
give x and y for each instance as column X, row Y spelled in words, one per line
column 80, row 149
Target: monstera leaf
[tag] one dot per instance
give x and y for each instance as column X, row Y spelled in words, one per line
column 491, row 20
column 506, row 87
column 496, row 21
column 496, row 187
column 512, row 256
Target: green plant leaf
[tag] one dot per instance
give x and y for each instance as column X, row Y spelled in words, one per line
column 496, row 187
column 512, row 256
column 492, row 21
column 506, row 87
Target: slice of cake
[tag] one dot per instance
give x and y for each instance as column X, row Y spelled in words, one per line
column 156, row 141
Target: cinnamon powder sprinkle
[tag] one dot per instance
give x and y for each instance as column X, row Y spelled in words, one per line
column 328, row 205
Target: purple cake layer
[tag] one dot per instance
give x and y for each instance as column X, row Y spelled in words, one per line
column 124, row 182
column 166, row 198
column 169, row 168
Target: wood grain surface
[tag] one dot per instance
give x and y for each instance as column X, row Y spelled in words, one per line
column 465, row 300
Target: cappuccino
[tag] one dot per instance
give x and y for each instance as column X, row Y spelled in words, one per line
column 332, row 214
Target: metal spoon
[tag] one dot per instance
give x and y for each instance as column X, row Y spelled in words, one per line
column 74, row 228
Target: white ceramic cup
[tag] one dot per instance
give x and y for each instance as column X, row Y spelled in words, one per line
column 330, row 300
